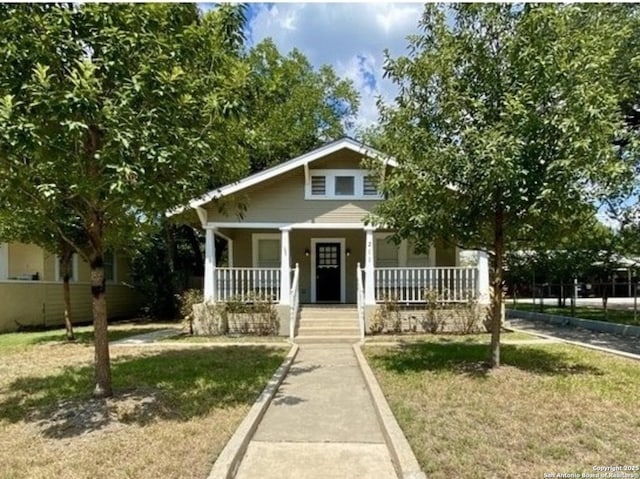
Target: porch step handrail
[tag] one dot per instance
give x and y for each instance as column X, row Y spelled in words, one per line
column 295, row 302
column 247, row 284
column 360, row 299
column 414, row 284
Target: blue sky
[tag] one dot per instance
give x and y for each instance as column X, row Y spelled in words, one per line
column 351, row 37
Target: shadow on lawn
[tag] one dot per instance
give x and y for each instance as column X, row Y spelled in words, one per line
column 471, row 359
column 169, row 385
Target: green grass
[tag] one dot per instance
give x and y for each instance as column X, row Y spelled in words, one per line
column 612, row 316
column 550, row 408
column 83, row 334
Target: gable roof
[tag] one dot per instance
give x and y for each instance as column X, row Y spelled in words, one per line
column 259, row 177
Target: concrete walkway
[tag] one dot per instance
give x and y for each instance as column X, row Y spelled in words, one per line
column 624, row 344
column 321, row 423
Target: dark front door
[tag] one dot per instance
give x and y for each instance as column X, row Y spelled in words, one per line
column 327, row 271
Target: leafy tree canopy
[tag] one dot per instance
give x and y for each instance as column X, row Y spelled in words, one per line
column 118, row 112
column 293, row 108
column 504, row 126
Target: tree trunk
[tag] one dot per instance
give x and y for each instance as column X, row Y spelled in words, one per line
column 100, row 333
column 94, row 221
column 496, row 298
column 99, row 306
column 605, row 299
column 65, row 263
column 171, row 246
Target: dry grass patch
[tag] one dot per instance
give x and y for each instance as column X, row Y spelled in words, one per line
column 172, row 413
column 479, row 338
column 550, row 408
column 187, row 338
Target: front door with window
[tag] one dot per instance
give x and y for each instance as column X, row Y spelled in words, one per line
column 328, row 271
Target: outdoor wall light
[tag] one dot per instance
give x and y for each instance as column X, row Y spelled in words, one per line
column 307, row 252
column 348, row 252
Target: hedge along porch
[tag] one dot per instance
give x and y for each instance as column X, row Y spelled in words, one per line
column 302, row 238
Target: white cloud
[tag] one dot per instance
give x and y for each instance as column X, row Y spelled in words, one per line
column 350, row 37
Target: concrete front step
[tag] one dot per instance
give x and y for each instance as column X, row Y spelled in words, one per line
column 328, row 315
column 327, row 339
column 329, row 323
column 313, row 331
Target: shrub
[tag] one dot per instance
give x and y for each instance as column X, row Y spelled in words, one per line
column 186, row 301
column 466, row 319
column 387, row 317
column 432, row 321
column 248, row 315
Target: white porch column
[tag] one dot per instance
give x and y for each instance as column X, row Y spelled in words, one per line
column 285, row 266
column 369, row 283
column 483, row 277
column 210, row 266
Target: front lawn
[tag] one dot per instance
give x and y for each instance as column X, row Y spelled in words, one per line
column 480, row 338
column 620, row 316
column 172, row 413
column 83, row 334
column 230, row 339
column 551, row 408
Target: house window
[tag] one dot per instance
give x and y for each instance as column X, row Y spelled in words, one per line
column 318, row 185
column 266, row 250
column 109, row 260
column 386, row 253
column 414, row 259
column 73, row 273
column 345, row 186
column 341, row 184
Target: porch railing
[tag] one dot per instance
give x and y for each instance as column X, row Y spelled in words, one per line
column 418, row 285
column 247, row 284
column 360, row 298
column 295, row 302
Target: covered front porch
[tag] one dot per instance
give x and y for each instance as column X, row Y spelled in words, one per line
column 290, row 264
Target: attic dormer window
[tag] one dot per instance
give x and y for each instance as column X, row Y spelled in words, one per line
column 318, row 185
column 341, row 184
column 344, row 186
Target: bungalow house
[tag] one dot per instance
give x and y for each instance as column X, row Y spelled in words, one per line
column 31, row 288
column 301, row 237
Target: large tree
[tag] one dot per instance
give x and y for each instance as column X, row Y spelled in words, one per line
column 120, row 111
column 293, row 108
column 502, row 127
